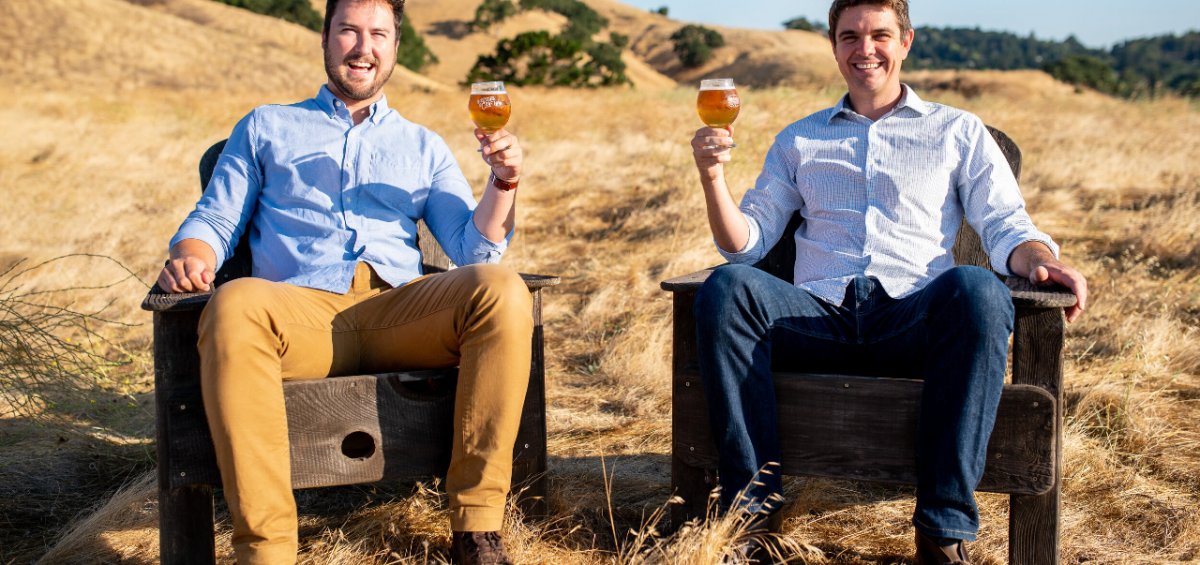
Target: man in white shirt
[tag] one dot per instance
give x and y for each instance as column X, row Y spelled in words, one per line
column 883, row 181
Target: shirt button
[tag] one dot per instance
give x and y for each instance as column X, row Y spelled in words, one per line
column 347, row 200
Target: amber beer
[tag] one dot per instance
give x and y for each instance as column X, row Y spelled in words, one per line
column 489, row 106
column 718, row 104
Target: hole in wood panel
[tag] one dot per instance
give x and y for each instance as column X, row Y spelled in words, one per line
column 358, row 445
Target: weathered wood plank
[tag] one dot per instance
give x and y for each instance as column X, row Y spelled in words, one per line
column 691, row 483
column 186, row 535
column 433, row 258
column 1035, row 521
column 864, row 428
column 529, row 453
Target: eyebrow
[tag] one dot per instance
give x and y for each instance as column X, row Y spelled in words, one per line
column 873, row 32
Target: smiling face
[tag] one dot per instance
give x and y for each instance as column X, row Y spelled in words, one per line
column 360, row 49
column 870, row 48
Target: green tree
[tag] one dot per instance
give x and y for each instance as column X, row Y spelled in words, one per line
column 295, row 11
column 538, row 58
column 694, row 44
column 802, row 23
column 412, row 53
column 1084, row 70
column 582, row 21
column 662, row 11
column 492, row 12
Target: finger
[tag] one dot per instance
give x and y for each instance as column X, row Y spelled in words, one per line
column 167, row 282
column 182, row 283
column 195, row 275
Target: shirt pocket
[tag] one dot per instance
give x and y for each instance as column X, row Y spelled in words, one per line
column 396, row 185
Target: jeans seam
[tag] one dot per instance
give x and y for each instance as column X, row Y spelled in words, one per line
column 793, row 329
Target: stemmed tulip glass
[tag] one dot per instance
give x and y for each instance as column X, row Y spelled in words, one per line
column 489, row 106
column 718, row 104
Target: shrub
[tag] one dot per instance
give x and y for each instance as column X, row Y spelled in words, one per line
column 295, row 11
column 538, row 58
column 492, row 12
column 1084, row 70
column 803, row 24
column 582, row 21
column 412, row 53
column 662, row 11
column 694, row 44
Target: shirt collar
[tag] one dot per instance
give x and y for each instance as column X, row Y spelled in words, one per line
column 331, row 105
column 909, row 100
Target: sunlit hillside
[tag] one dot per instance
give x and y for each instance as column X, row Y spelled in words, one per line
column 107, row 105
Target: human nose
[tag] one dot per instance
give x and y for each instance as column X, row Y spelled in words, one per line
column 866, row 47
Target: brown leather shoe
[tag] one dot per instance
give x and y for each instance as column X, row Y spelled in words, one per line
column 930, row 553
column 478, row 548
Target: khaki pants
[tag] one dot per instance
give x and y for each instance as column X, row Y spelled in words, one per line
column 255, row 334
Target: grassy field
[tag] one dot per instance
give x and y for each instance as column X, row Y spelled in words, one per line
column 610, row 203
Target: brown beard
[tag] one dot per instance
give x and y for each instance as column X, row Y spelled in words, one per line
column 354, row 91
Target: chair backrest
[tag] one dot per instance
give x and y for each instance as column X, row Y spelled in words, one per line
column 433, row 259
column 968, row 249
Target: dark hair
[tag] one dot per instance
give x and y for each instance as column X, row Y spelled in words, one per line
column 397, row 7
column 900, row 7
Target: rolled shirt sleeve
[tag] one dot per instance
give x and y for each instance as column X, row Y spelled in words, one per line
column 223, row 212
column 992, row 201
column 450, row 214
column 769, row 206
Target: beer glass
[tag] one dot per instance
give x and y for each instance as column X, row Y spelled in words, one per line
column 718, row 104
column 489, row 106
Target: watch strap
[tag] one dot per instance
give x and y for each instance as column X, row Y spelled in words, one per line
column 503, row 184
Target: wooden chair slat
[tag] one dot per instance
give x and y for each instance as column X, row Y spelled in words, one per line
column 864, row 428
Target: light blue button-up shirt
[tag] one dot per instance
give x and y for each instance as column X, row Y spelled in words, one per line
column 320, row 195
column 884, row 199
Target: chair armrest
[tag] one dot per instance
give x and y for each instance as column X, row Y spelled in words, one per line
column 687, row 283
column 1025, row 294
column 535, row 282
column 159, row 300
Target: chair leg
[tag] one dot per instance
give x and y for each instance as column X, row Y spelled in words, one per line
column 694, row 485
column 1034, row 521
column 185, row 525
column 1033, row 528
column 533, row 498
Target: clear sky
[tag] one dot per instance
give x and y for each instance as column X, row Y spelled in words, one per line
column 1097, row 23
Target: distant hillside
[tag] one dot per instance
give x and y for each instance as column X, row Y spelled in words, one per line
column 750, row 57
column 1138, row 66
column 183, row 44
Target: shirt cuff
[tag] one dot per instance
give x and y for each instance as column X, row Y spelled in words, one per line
column 482, row 249
column 1005, row 250
column 203, row 232
column 752, row 251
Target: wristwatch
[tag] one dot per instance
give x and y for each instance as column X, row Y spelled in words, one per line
column 503, row 184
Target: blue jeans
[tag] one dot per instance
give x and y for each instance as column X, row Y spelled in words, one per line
column 952, row 334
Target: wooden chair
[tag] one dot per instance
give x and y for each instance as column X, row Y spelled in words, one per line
column 343, row 430
column 863, row 428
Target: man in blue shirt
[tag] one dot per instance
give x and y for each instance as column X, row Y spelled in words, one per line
column 330, row 191
column 883, row 181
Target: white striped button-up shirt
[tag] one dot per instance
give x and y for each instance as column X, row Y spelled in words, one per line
column 884, row 199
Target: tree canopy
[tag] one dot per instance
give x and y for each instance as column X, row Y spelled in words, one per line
column 694, row 44
column 1146, row 66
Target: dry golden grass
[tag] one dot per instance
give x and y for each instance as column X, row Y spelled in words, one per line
column 610, row 203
